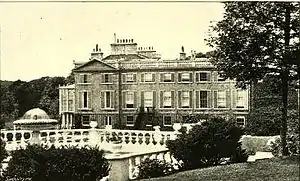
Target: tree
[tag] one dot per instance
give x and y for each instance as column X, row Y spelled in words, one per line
column 255, row 39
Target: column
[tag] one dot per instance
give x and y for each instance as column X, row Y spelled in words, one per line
column 67, row 120
column 63, row 123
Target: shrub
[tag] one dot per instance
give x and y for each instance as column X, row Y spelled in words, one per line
column 3, row 152
column 292, row 145
column 207, row 144
column 66, row 163
column 150, row 168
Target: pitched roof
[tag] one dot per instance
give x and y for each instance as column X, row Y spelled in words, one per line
column 125, row 57
column 93, row 61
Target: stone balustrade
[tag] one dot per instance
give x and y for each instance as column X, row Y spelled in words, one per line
column 124, row 167
column 83, row 137
column 15, row 138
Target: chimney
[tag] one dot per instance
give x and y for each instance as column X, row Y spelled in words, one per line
column 96, row 54
column 115, row 37
column 182, row 54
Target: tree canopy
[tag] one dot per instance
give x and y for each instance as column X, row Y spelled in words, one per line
column 255, row 39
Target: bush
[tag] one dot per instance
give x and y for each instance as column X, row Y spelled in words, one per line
column 66, row 163
column 150, row 168
column 208, row 144
column 292, row 145
column 3, row 152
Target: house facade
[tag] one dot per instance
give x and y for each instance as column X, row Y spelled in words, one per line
column 112, row 90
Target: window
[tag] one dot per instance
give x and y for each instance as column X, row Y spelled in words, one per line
column 129, row 78
column 70, row 105
column 167, row 96
column 85, row 99
column 107, row 99
column 203, row 99
column 129, row 121
column 129, row 99
column 185, row 77
column 167, row 77
column 241, row 98
column 106, row 78
column 85, row 120
column 240, row 121
column 221, row 99
column 185, row 101
column 107, row 120
column 148, row 77
column 148, row 99
column 85, row 78
column 167, row 121
column 203, row 76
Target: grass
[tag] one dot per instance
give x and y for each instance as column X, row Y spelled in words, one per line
column 275, row 169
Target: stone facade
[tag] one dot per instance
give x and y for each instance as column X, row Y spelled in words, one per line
column 112, row 90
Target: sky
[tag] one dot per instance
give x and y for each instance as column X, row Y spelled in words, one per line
column 43, row 39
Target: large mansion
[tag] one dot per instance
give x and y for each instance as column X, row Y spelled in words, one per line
column 113, row 89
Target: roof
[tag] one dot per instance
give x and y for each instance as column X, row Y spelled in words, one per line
column 91, row 61
column 35, row 116
column 125, row 57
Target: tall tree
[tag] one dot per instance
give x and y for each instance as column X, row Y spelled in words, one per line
column 255, row 39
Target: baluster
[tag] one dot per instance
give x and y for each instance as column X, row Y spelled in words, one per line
column 144, row 140
column 5, row 137
column 81, row 139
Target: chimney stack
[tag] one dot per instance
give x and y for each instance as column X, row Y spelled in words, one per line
column 97, row 54
column 182, row 54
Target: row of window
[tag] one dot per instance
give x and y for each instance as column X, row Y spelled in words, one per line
column 186, row 77
column 203, row 99
column 130, row 120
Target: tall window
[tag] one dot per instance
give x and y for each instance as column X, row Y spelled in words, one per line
column 85, row 78
column 129, row 121
column 185, row 101
column 221, row 99
column 129, row 99
column 241, row 98
column 107, row 99
column 85, row 99
column 167, row 99
column 203, row 99
column 148, row 99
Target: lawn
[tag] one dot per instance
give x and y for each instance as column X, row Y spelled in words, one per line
column 273, row 169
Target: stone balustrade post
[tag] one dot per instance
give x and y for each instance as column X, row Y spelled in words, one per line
column 119, row 169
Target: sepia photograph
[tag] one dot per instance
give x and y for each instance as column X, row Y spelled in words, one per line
column 149, row 90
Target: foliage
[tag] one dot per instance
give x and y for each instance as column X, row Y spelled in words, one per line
column 264, row 118
column 255, row 39
column 19, row 96
column 293, row 146
column 151, row 168
column 66, row 163
column 206, row 144
column 150, row 116
column 3, row 152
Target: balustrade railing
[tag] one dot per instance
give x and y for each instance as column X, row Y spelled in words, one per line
column 15, row 138
column 83, row 137
column 130, row 163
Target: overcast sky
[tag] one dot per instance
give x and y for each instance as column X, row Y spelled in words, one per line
column 43, row 39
